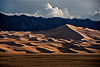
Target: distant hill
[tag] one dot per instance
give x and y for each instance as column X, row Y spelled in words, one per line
column 30, row 23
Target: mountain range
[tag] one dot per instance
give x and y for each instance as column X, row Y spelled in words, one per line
column 30, row 23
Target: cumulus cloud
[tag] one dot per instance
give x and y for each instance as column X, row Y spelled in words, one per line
column 54, row 12
column 95, row 15
column 48, row 11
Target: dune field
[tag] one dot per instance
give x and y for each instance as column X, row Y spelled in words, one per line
column 65, row 46
column 64, row 39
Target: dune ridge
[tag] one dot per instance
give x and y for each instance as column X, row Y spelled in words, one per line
column 64, row 39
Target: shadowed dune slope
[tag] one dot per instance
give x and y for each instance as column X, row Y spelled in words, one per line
column 64, row 32
column 64, row 39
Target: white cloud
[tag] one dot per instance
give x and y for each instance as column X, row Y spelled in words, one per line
column 48, row 6
column 66, row 13
column 95, row 15
column 54, row 12
column 72, row 17
column 48, row 11
column 17, row 14
column 37, row 14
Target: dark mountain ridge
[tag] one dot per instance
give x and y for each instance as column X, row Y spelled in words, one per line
column 30, row 23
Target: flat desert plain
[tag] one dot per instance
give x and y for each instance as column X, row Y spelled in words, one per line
column 65, row 46
column 50, row 60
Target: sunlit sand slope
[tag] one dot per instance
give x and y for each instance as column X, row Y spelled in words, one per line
column 64, row 39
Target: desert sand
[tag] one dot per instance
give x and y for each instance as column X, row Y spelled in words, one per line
column 50, row 60
column 64, row 39
column 65, row 46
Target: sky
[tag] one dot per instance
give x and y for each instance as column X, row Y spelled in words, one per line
column 53, row 8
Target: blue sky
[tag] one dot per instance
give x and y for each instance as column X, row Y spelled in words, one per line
column 75, row 8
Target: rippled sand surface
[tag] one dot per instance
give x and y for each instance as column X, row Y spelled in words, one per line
column 64, row 39
column 65, row 46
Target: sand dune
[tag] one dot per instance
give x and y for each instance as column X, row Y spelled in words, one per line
column 64, row 32
column 64, row 39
